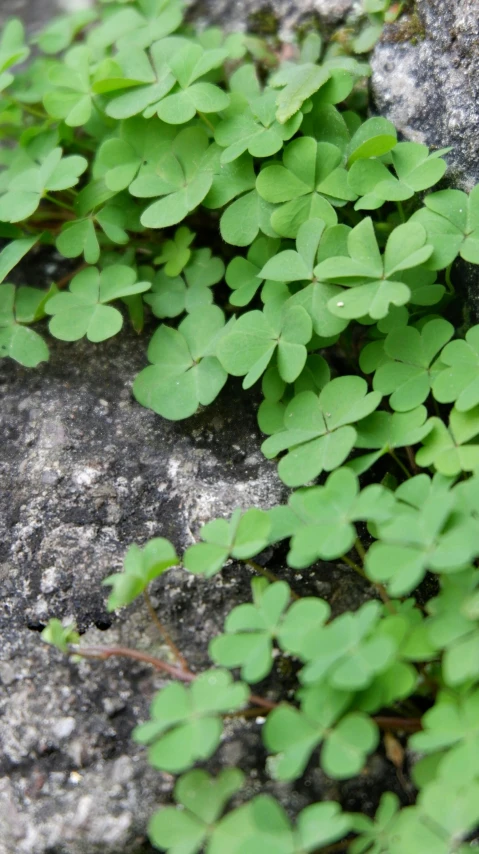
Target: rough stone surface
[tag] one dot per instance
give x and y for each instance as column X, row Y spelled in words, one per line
column 262, row 14
column 234, row 16
column 426, row 77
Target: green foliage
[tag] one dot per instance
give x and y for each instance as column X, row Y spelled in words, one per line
column 186, row 723
column 141, row 566
column 150, row 149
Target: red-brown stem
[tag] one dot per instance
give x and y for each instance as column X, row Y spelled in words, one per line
column 406, row 724
column 105, row 652
column 164, row 632
column 69, row 276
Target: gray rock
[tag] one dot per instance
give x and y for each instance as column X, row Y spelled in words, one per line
column 71, row 779
column 426, row 77
column 265, row 17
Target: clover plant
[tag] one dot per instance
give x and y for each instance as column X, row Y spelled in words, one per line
column 230, row 198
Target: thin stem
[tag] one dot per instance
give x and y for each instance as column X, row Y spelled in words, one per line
column 447, row 276
column 400, row 463
column 354, row 566
column 164, row 632
column 401, row 211
column 406, row 724
column 102, row 653
column 360, row 549
column 206, row 121
column 267, row 574
column 411, row 458
column 379, row 587
column 27, row 108
column 58, row 202
column 63, row 282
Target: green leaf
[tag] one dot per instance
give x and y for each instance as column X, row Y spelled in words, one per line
column 449, row 449
column 451, row 219
column 176, row 253
column 374, row 138
column 250, row 630
column 201, row 800
column 298, row 83
column 243, row 274
column 60, row 636
column 326, row 516
column 25, row 190
column 317, row 430
column 420, row 537
column 294, row 734
column 186, row 725
column 182, row 177
column 408, row 371
column 243, row 537
column 13, row 253
column 457, row 378
column 348, row 653
column 141, row 566
column 252, row 341
column 244, row 218
column 310, row 181
column 82, row 311
column 374, row 281
column 184, row 372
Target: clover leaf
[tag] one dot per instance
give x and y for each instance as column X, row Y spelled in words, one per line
column 185, row 372
column 251, row 125
column 421, row 538
column 326, row 516
column 243, row 536
column 13, row 253
column 262, row 825
column 374, row 835
column 26, row 190
column 13, row 50
column 248, row 347
column 182, row 176
column 243, row 275
column 297, row 83
column 82, row 310
column 314, row 376
column 141, row 566
column 457, row 379
column 449, row 448
column 170, row 296
column 453, row 722
column 451, row 219
column 306, row 186
column 120, row 158
column 71, row 96
column 245, row 217
column 131, row 27
column 176, row 253
column 303, row 620
column 147, row 79
column 250, row 631
column 318, row 431
column 314, row 241
column 348, row 652
column 428, row 829
column 373, row 138
column 60, row 636
column 374, row 281
column 293, row 735
column 415, row 168
column 22, row 344
column 453, row 628
column 408, row 371
column 201, row 800
column 186, row 724
column 387, row 431
column 188, row 64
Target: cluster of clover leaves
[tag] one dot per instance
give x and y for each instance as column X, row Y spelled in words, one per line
column 127, row 135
